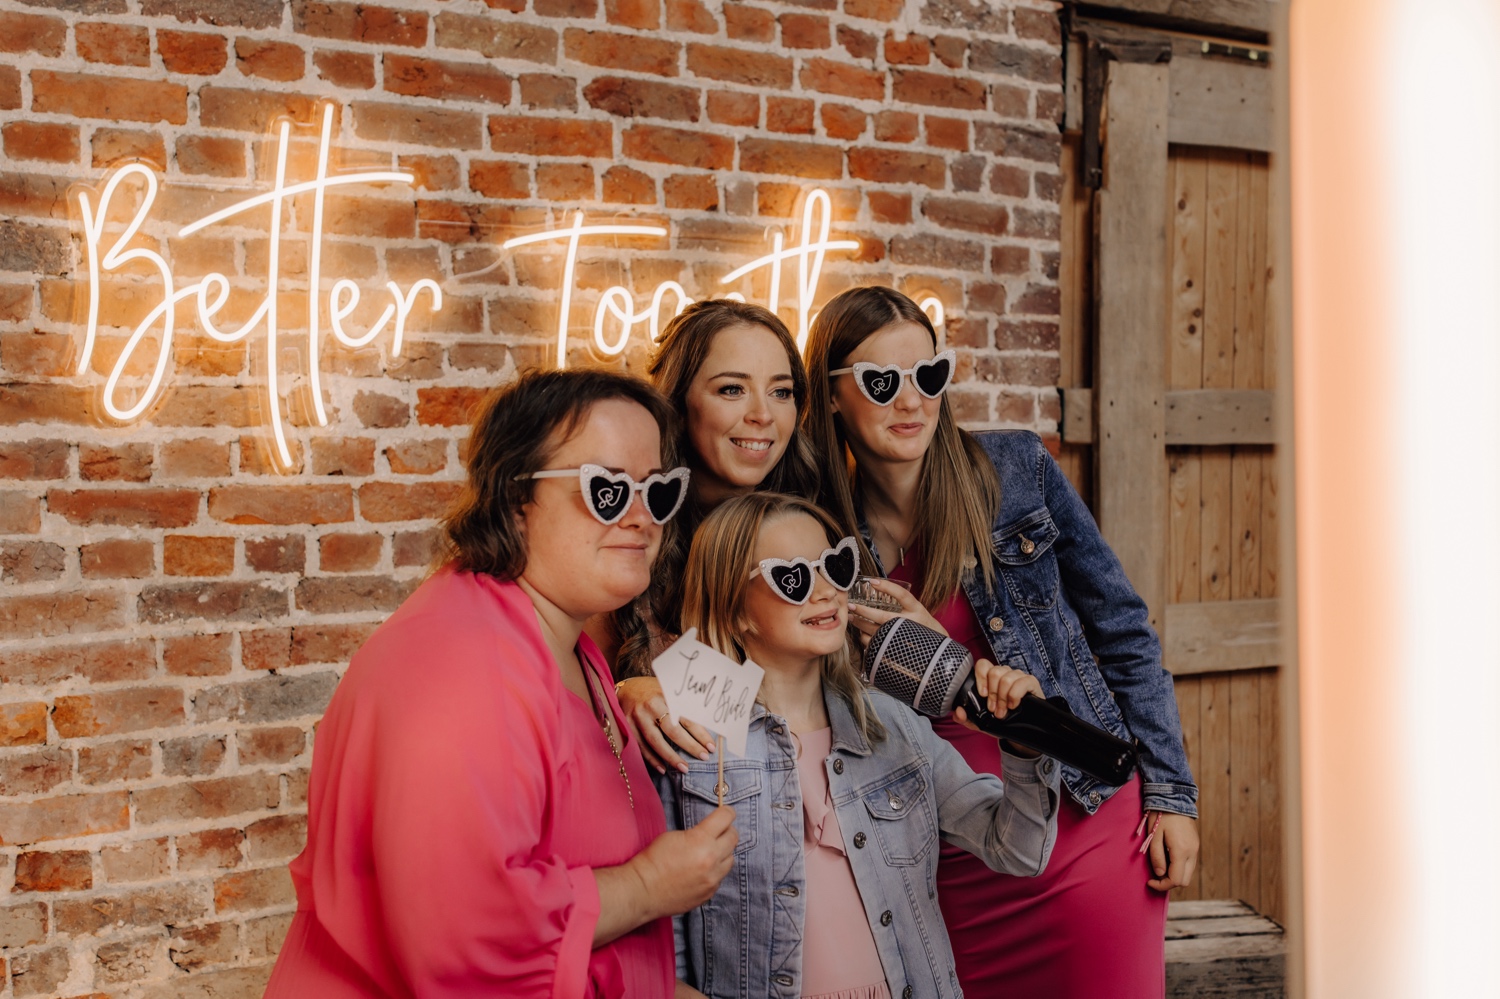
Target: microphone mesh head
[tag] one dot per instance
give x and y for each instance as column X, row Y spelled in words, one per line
column 917, row 666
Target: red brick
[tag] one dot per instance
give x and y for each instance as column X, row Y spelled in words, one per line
column 354, row 456
column 551, row 136
column 691, row 15
column 189, row 555
column 126, row 507
column 32, row 33
column 100, row 662
column 423, row 126
column 62, row 870
column 35, row 140
column 222, row 601
column 350, row 70
column 410, row 548
column 377, row 410
column 39, row 972
column 279, row 555
column 198, row 655
column 843, row 122
column 192, row 756
column 446, row 80
column 268, row 648
column 86, row 96
column 896, row 126
column 141, row 860
column 19, row 513
column 305, row 504
column 800, row 159
column 629, row 52
column 327, row 643
column 116, row 145
column 986, row 296
column 349, row 552
column 500, row 178
column 789, row 114
column 952, row 50
column 245, row 891
column 632, row 98
column 875, row 10
column 207, row 799
column 116, row 711
column 270, row 745
column 117, row 558
column 830, row 77
column 348, row 595
column 1008, row 59
column 915, row 86
column 747, row 66
column 730, row 108
column 63, row 817
column 15, row 303
column 1026, row 335
column 279, row 837
column 31, row 561
column 22, row 925
column 943, row 252
column 749, row 24
column 860, row 44
column 194, row 458
column 171, row 904
column 970, row 216
column 10, row 88
column 913, row 50
column 699, row 192
column 381, row 502
column 125, row 463
column 893, row 166
column 565, row 181
column 580, row 9
column 352, row 22
column 212, row 849
column 251, row 110
column 1030, row 224
column 119, row 44
column 642, row 14
column 629, row 186
column 23, row 724
column 804, row 31
column 191, row 52
column 679, row 147
column 269, row 60
column 497, row 39
column 108, row 762
column 432, row 173
column 1037, row 25
column 544, row 90
column 35, row 771
column 947, row 133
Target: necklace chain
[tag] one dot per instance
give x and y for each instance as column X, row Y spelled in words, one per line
column 900, row 548
column 601, row 707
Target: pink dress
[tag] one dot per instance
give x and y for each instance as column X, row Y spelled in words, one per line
column 1087, row 926
column 460, row 799
column 839, row 958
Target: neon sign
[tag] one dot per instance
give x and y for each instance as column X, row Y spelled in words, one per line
column 119, row 248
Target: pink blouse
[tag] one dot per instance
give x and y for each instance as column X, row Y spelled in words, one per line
column 460, row 799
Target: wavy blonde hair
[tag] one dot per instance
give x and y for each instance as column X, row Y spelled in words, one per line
column 718, row 573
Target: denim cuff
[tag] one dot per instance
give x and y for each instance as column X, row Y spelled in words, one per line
column 1179, row 799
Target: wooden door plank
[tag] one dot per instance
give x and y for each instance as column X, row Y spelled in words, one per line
column 1184, row 529
column 1185, row 337
column 1219, row 635
column 1213, row 788
column 1224, row 103
column 1218, row 366
column 1270, row 526
column 1130, row 268
column 1209, row 908
column 1220, row 416
column 1188, row 701
column 1244, row 785
column 1250, row 276
column 1245, row 523
column 1272, row 891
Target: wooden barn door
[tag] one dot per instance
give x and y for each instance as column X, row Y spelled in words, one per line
column 1168, row 377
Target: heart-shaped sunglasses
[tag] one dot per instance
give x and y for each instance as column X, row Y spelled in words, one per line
column 882, row 383
column 608, row 494
column 792, row 579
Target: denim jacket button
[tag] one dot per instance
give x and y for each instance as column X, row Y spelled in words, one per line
column 895, row 803
column 783, row 980
column 996, row 624
column 838, row 766
column 1027, row 546
column 1094, row 797
column 906, row 993
column 790, row 890
column 859, row 841
column 885, row 918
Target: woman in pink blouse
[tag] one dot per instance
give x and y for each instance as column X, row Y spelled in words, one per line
column 480, row 821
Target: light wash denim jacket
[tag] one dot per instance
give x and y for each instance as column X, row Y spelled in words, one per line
column 1064, row 612
column 893, row 800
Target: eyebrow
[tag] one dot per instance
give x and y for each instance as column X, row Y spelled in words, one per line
column 740, row 374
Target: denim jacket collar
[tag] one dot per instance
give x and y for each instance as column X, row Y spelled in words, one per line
column 846, row 734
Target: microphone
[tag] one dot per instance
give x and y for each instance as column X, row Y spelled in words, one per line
column 934, row 674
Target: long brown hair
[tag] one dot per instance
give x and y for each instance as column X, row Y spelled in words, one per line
column 680, row 353
column 515, row 432
column 717, row 574
column 958, row 494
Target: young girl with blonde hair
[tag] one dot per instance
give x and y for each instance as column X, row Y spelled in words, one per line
column 843, row 792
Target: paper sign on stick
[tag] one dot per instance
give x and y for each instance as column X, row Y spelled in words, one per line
column 709, row 688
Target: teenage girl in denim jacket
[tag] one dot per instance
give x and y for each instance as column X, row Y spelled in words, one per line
column 843, row 793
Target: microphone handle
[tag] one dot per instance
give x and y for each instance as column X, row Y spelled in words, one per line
column 1055, row 731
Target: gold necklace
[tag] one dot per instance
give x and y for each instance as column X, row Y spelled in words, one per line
column 900, row 548
column 601, row 711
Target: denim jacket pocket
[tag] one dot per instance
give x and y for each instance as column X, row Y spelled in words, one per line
column 903, row 818
column 1027, row 562
column 700, row 796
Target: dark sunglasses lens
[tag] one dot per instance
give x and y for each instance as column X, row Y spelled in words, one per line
column 609, row 498
column 793, row 582
column 932, row 376
column 662, row 498
column 881, row 384
column 841, row 566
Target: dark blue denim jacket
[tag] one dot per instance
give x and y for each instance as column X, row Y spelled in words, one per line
column 1065, row 613
column 893, row 799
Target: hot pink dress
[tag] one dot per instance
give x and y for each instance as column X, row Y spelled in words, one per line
column 460, row 799
column 1087, row 926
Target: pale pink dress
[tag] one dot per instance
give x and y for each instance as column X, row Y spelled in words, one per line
column 839, row 959
column 460, row 800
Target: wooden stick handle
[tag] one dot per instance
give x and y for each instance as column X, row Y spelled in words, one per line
column 720, row 786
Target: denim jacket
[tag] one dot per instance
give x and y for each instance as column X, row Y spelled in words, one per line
column 1065, row 613
column 893, row 799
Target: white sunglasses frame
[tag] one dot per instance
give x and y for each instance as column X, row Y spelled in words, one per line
column 950, row 355
column 764, row 566
column 589, row 470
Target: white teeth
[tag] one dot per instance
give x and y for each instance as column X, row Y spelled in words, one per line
column 752, row 445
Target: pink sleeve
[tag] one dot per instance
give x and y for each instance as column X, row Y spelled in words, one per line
column 463, row 771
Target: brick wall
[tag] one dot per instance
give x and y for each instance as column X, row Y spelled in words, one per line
column 175, row 609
